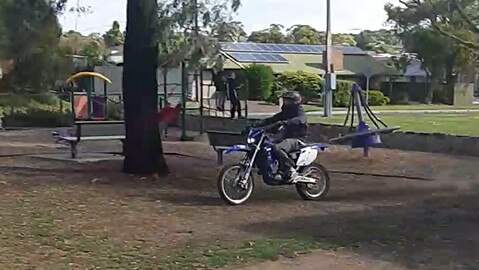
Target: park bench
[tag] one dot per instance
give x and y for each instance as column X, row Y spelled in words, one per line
column 109, row 130
column 222, row 140
column 92, row 131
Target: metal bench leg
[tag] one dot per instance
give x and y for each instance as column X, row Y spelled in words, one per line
column 220, row 157
column 73, row 149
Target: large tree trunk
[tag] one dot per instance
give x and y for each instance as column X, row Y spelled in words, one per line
column 450, row 80
column 143, row 149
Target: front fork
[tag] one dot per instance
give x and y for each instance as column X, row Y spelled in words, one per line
column 247, row 163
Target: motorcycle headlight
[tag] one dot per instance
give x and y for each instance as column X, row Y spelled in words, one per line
column 250, row 140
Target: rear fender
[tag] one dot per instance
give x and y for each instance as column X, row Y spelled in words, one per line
column 309, row 154
column 237, row 148
column 318, row 146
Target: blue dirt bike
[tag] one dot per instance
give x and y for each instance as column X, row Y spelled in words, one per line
column 236, row 183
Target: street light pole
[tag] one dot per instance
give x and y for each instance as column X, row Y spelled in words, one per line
column 329, row 82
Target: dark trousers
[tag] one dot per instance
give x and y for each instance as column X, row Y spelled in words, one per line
column 281, row 150
column 235, row 107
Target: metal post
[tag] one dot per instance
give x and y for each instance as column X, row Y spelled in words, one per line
column 368, row 78
column 165, row 87
column 72, row 104
column 357, row 102
column 89, row 98
column 105, row 93
column 184, row 89
column 201, row 100
column 328, row 92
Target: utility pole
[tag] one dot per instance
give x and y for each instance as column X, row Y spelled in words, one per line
column 330, row 82
column 78, row 15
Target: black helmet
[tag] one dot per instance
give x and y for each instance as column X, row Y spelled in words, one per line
column 295, row 96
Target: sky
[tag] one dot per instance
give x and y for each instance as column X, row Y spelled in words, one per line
column 347, row 15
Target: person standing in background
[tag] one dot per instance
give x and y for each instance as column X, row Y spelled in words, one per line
column 233, row 95
column 220, row 85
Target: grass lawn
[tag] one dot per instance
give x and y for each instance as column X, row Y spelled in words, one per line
column 413, row 107
column 457, row 124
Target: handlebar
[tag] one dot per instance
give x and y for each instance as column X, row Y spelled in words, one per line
column 266, row 127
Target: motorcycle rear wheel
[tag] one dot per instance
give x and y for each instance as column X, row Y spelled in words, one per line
column 314, row 192
column 238, row 195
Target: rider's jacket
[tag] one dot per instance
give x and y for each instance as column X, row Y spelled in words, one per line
column 295, row 121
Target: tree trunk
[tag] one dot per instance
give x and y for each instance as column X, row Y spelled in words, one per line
column 450, row 79
column 430, row 91
column 143, row 149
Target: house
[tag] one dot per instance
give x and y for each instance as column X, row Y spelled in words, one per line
column 349, row 62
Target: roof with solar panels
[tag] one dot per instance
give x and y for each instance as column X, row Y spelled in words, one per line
column 296, row 57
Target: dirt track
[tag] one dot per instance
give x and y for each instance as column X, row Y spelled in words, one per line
column 374, row 222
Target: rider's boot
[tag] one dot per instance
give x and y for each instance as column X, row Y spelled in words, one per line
column 290, row 175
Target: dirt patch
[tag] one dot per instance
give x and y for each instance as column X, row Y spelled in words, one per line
column 94, row 217
column 328, row 260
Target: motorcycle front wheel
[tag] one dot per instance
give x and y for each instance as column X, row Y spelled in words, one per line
column 231, row 188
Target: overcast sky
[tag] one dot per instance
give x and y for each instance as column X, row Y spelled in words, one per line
column 347, row 15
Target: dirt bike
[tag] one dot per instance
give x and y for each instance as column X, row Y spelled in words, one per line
column 312, row 179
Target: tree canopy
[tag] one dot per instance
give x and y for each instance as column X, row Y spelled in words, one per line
column 455, row 19
column 426, row 28
column 298, row 34
column 190, row 30
column 272, row 34
column 114, row 36
column 30, row 37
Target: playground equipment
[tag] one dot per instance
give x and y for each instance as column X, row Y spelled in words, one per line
column 363, row 136
column 87, row 105
column 193, row 91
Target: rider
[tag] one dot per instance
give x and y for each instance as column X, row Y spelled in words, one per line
column 295, row 129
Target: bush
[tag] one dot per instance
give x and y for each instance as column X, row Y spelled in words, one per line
column 342, row 93
column 114, row 111
column 311, row 85
column 308, row 85
column 260, row 79
column 37, row 118
column 22, row 102
column 276, row 91
column 47, row 99
column 377, row 98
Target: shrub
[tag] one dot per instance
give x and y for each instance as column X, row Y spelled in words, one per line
column 377, row 98
column 47, row 99
column 311, row 85
column 276, row 91
column 37, row 118
column 342, row 93
column 114, row 111
column 308, row 85
column 260, row 80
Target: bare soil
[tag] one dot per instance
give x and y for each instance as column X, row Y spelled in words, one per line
column 71, row 216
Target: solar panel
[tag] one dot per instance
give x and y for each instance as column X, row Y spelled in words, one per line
column 285, row 48
column 242, row 57
column 258, row 57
